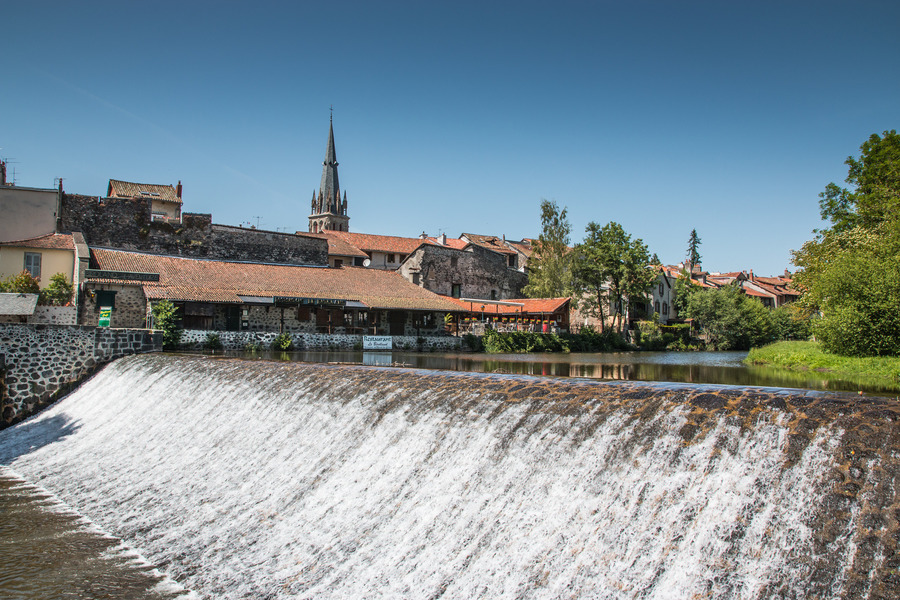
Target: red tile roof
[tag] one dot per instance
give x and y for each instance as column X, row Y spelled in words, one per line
column 197, row 280
column 529, row 306
column 377, row 243
column 51, row 241
column 490, row 242
column 154, row 191
column 338, row 246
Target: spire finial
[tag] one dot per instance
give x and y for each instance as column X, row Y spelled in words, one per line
column 331, row 116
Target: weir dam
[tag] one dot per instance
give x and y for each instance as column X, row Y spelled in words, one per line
column 253, row 479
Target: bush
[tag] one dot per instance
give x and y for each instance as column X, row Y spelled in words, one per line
column 283, row 342
column 165, row 317
column 212, row 342
column 252, row 347
column 58, row 292
column 21, row 283
column 473, row 343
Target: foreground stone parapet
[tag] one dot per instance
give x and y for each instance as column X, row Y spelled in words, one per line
column 40, row 362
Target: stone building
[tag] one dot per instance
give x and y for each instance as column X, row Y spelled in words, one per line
column 329, row 210
column 473, row 271
column 236, row 296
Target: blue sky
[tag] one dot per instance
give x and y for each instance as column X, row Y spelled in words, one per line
column 728, row 117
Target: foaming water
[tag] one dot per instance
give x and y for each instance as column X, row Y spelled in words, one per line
column 276, row 480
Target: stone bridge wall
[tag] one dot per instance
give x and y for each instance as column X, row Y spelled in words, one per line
column 38, row 363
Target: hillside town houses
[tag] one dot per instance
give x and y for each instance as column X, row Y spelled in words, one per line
column 135, row 247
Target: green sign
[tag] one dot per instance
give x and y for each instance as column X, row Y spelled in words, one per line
column 105, row 314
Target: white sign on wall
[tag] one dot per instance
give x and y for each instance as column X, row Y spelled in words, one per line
column 377, row 342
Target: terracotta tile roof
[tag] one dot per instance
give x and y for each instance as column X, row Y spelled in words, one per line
column 490, row 242
column 127, row 189
column 455, row 243
column 529, row 306
column 525, row 247
column 51, row 241
column 338, row 246
column 196, row 280
column 378, row 243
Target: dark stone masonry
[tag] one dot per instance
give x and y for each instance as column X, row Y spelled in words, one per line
column 126, row 223
column 39, row 363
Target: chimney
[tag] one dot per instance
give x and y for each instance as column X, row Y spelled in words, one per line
column 60, row 185
column 751, row 275
column 178, row 190
column 443, row 239
column 2, row 173
column 423, row 236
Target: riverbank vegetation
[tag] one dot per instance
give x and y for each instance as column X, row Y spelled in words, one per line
column 586, row 340
column 850, row 273
column 810, row 356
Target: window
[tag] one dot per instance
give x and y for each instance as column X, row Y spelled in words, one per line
column 415, row 278
column 493, row 294
column 456, row 290
column 33, row 264
column 665, row 308
column 656, row 306
column 358, row 261
column 338, row 263
column 454, row 260
column 660, row 288
column 512, row 261
column 390, row 258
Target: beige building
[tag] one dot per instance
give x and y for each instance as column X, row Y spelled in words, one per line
column 165, row 199
column 42, row 256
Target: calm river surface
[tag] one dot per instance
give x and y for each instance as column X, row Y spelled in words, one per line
column 680, row 367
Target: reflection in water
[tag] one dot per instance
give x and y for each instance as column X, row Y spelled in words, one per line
column 724, row 368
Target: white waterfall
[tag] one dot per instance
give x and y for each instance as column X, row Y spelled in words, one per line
column 268, row 480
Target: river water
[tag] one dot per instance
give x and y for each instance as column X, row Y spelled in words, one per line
column 725, row 368
column 256, row 479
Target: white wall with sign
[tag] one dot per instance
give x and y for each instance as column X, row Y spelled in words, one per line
column 377, row 342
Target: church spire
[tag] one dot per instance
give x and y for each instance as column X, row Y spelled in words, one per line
column 330, row 213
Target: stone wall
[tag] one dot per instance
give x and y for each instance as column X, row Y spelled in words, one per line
column 130, row 309
column 239, row 340
column 55, row 315
column 480, row 273
column 38, row 363
column 126, row 224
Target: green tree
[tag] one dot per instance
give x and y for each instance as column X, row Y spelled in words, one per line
column 729, row 319
column 165, row 317
column 693, row 251
column 609, row 268
column 58, row 292
column 550, row 265
column 875, row 180
column 21, row 283
column 850, row 273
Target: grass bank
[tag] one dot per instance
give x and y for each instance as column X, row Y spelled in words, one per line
column 803, row 356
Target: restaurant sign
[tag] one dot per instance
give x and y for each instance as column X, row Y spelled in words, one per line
column 378, row 342
column 120, row 275
column 326, row 302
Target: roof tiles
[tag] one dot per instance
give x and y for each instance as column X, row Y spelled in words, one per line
column 196, row 280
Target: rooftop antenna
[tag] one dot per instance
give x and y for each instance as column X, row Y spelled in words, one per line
column 257, row 220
